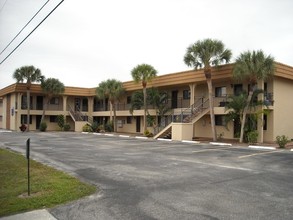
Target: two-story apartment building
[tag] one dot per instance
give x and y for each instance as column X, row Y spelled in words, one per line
column 187, row 118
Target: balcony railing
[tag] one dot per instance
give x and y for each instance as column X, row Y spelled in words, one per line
column 223, row 100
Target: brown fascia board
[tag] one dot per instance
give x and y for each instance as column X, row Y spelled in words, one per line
column 7, row 90
column 183, row 78
column 223, row 72
column 36, row 89
column 284, row 71
column 77, row 91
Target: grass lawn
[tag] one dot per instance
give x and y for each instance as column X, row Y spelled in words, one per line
column 49, row 187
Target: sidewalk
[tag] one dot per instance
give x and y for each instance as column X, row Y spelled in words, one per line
column 41, row 214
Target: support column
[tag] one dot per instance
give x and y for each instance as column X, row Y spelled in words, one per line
column 90, row 105
column 260, row 85
column 65, row 103
column 18, row 111
column 192, row 93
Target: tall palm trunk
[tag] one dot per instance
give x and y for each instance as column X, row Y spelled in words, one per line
column 45, row 106
column 145, row 107
column 211, row 102
column 243, row 121
column 114, row 119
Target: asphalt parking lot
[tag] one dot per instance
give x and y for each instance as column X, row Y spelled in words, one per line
column 151, row 179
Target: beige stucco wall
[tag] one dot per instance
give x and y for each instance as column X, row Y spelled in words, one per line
column 182, row 131
column 202, row 128
column 1, row 113
column 283, row 106
column 4, row 113
column 268, row 135
column 124, row 127
column 79, row 125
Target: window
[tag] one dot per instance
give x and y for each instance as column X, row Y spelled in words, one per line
column 128, row 99
column 186, row 94
column 24, row 102
column 53, row 118
column 128, row 119
column 220, row 120
column 54, row 101
column 0, row 118
column 238, row 89
column 23, row 119
column 221, row 91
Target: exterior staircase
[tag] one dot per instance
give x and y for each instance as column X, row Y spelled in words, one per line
column 189, row 115
column 79, row 117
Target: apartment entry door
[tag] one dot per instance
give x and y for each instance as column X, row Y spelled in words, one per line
column 137, row 123
column 77, row 105
column 38, row 121
column 174, row 99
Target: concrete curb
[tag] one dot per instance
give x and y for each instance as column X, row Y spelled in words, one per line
column 221, row 144
column 262, row 147
column 163, row 139
column 139, row 137
column 111, row 135
column 190, row 142
column 32, row 215
column 5, row 131
column 97, row 133
column 125, row 136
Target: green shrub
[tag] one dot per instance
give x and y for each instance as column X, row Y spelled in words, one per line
column 252, row 136
column 43, row 126
column 95, row 127
column 109, row 126
column 282, row 141
column 87, row 128
column 66, row 127
column 147, row 133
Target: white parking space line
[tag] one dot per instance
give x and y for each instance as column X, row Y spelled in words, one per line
column 211, row 164
column 215, row 149
column 125, row 136
column 262, row 147
column 262, row 153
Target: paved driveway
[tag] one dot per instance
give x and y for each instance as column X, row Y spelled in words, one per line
column 149, row 179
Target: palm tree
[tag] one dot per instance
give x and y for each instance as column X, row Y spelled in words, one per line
column 101, row 92
column 252, row 66
column 136, row 101
column 235, row 107
column 144, row 73
column 155, row 98
column 29, row 74
column 207, row 53
column 113, row 90
column 158, row 100
column 51, row 87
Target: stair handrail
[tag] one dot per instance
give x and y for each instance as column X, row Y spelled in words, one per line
column 77, row 114
column 197, row 107
column 165, row 121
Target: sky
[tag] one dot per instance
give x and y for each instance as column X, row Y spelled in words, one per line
column 83, row 43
